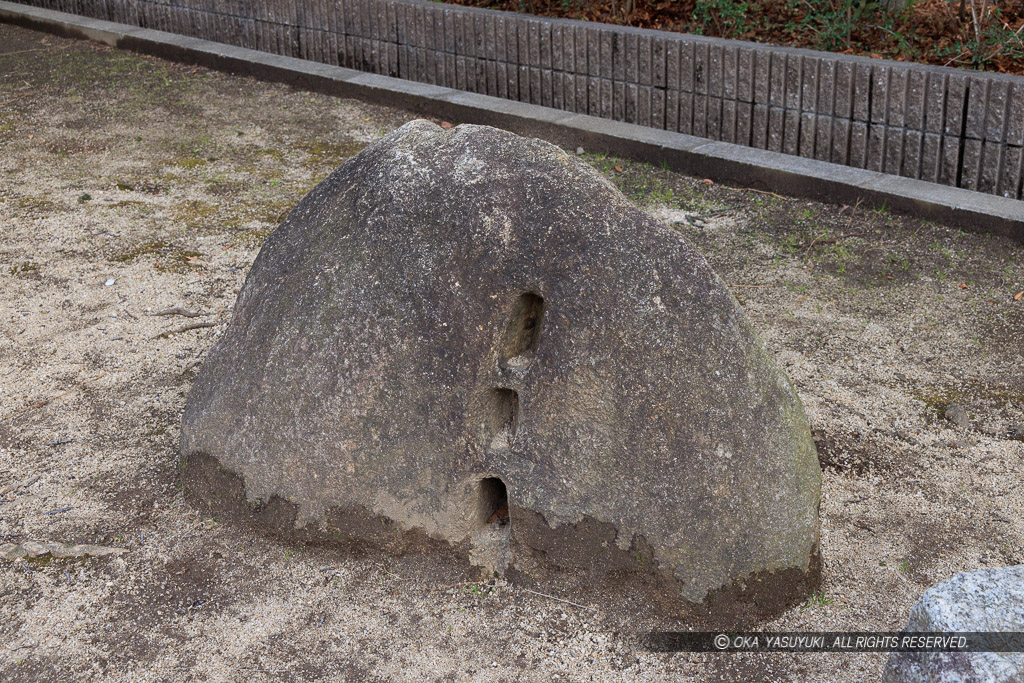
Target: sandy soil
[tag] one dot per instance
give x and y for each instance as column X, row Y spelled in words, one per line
column 129, row 185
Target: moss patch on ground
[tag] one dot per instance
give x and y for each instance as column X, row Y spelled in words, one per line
column 169, row 258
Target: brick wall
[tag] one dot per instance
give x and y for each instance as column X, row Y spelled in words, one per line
column 949, row 126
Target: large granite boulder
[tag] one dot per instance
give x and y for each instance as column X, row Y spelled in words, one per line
column 982, row 601
column 475, row 336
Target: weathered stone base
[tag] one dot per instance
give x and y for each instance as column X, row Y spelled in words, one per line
column 581, row 560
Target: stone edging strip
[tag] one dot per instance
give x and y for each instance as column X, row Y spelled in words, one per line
column 719, row 161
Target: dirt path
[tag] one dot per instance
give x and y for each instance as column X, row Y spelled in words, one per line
column 129, row 186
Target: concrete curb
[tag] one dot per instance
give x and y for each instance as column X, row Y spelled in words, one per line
column 719, row 161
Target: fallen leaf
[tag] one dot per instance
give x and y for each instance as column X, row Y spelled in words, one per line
column 445, row 124
column 619, row 169
column 1018, row 295
column 708, row 181
column 963, row 285
column 33, row 549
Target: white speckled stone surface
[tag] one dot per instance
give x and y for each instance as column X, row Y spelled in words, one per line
column 983, row 600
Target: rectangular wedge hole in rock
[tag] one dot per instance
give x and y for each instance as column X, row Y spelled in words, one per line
column 494, row 501
column 523, row 330
column 501, row 415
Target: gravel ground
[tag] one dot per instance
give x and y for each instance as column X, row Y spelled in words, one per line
column 130, row 185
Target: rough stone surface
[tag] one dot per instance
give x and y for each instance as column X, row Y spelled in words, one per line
column 982, row 600
column 460, row 322
column 957, row 414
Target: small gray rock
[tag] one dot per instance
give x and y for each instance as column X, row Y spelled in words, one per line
column 956, row 414
column 982, row 600
column 1015, row 431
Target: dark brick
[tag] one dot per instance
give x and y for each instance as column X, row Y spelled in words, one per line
column 545, row 45
column 977, row 98
column 607, row 60
column 931, row 157
column 949, row 160
column 643, row 105
column 500, row 40
column 569, row 88
column 840, row 141
column 910, row 165
column 730, row 69
column 893, row 150
column 876, row 147
column 956, row 94
column 759, row 127
column 658, row 108
column 842, row 103
column 744, row 120
column 580, row 43
column 913, row 116
column 970, row 173
column 686, row 61
column 791, row 132
column 997, row 111
column 671, row 108
column 822, row 137
column 1009, row 179
column 658, row 61
column 557, row 47
column 807, row 134
column 776, row 129
column 501, row 78
column 607, row 99
column 777, row 80
column 858, row 145
column 862, row 92
column 700, row 115
column 701, row 68
column 644, row 60
column 762, row 76
column 619, row 101
column 935, row 103
column 631, row 61
column 991, row 158
column 745, row 75
column 568, row 49
column 1015, row 121
column 686, row 113
column 512, row 42
column 594, row 52
column 715, row 70
column 714, row 118
column 533, row 37
column 490, row 73
column 794, row 68
column 728, row 131
column 672, row 52
column 809, row 84
column 897, row 108
column 582, row 103
column 631, row 107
